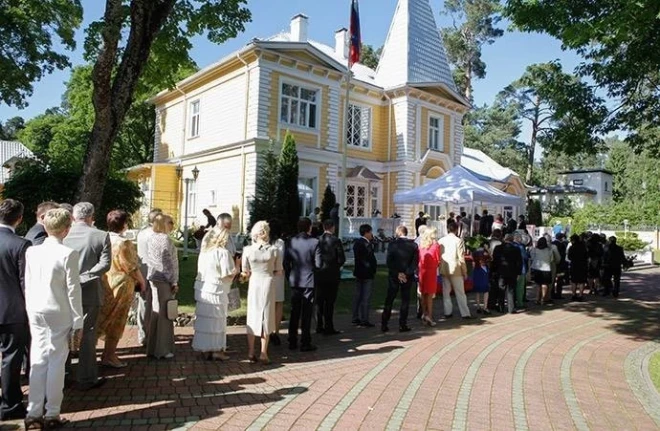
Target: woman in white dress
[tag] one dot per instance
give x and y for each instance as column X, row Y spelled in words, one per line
column 215, row 272
column 278, row 280
column 261, row 262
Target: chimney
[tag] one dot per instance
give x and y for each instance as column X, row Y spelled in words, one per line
column 341, row 42
column 299, row 24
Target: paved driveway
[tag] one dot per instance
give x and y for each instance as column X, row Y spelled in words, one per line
column 573, row 366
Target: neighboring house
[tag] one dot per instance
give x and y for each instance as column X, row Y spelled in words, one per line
column 11, row 152
column 578, row 188
column 405, row 121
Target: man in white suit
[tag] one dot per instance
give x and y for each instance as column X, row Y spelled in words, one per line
column 54, row 307
column 144, row 298
column 454, row 271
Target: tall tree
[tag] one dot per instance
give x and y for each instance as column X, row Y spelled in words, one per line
column 265, row 196
column 29, row 32
column 553, row 162
column 620, row 44
column 328, row 203
column 561, row 109
column 288, row 203
column 139, row 38
column 474, row 25
column 495, row 130
column 11, row 129
column 370, row 56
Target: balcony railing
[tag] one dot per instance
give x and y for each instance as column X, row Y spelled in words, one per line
column 351, row 226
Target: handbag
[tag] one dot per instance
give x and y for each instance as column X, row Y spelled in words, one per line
column 172, row 309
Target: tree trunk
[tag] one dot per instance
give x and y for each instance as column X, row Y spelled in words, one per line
column 468, row 82
column 113, row 96
column 532, row 144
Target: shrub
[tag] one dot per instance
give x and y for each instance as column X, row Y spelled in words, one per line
column 630, row 241
column 33, row 183
column 328, row 202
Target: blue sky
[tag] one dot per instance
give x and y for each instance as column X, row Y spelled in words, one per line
column 506, row 59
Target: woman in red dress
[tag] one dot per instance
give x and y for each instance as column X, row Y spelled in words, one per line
column 429, row 261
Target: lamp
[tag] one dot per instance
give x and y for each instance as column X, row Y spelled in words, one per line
column 179, row 171
column 195, row 173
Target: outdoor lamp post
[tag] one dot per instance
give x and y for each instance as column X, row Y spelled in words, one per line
column 187, row 181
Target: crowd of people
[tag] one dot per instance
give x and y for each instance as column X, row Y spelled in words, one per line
column 66, row 284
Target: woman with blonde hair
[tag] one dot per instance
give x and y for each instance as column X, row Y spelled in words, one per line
column 215, row 272
column 119, row 284
column 261, row 263
column 163, row 276
column 429, row 261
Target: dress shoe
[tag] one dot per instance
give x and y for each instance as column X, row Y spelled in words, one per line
column 384, row 328
column 404, row 328
column 331, row 332
column 275, row 339
column 448, row 316
column 355, row 322
column 366, row 325
column 308, row 348
column 89, row 386
column 19, row 413
column 293, row 346
column 467, row 317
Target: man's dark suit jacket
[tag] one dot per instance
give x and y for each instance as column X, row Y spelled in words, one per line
column 302, row 257
column 402, row 256
column 614, row 257
column 365, row 259
column 37, row 234
column 12, row 277
column 332, row 256
column 507, row 261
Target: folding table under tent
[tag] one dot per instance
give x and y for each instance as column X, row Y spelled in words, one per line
column 457, row 186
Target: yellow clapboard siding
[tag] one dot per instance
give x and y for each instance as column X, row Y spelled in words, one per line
column 378, row 150
column 165, row 190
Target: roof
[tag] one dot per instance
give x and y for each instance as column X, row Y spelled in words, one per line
column 485, row 168
column 362, row 172
column 413, row 52
column 586, row 171
column 561, row 190
column 10, row 150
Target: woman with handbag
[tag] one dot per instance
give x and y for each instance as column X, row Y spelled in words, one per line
column 163, row 276
column 120, row 283
column 261, row 263
column 215, row 272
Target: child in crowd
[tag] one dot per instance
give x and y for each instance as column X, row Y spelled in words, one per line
column 480, row 278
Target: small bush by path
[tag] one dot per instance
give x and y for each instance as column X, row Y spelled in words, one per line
column 654, row 370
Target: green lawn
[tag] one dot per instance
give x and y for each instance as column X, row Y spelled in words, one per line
column 188, row 272
column 654, row 370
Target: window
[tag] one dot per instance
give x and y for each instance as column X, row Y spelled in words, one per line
column 436, row 135
column 194, row 119
column 606, row 186
column 213, row 198
column 434, row 211
column 192, row 200
column 578, row 182
column 375, row 202
column 356, row 200
column 359, row 126
column 298, row 106
column 306, row 195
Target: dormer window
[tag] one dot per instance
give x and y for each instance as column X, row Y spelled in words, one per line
column 299, row 106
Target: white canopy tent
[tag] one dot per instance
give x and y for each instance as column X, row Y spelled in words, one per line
column 457, row 186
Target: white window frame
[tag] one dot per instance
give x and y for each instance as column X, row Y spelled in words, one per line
column 365, row 132
column 436, row 139
column 375, row 199
column 194, row 118
column 213, row 198
column 317, row 103
column 352, row 209
column 192, row 200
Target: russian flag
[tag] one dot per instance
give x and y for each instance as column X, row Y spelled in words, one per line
column 356, row 39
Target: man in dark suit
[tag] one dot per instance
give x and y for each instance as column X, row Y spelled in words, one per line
column 507, row 264
column 327, row 278
column 364, row 272
column 402, row 258
column 302, row 257
column 14, row 329
column 37, row 233
column 486, row 224
column 613, row 260
column 95, row 258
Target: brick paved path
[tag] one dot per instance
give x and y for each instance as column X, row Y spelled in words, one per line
column 574, row 366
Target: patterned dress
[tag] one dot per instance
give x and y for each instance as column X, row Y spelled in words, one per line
column 118, row 286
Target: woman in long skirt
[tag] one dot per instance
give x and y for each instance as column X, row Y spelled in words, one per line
column 215, row 272
column 261, row 262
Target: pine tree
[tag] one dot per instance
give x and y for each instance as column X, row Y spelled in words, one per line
column 328, row 203
column 287, row 200
column 261, row 207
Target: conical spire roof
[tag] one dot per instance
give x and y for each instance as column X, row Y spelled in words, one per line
column 413, row 52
